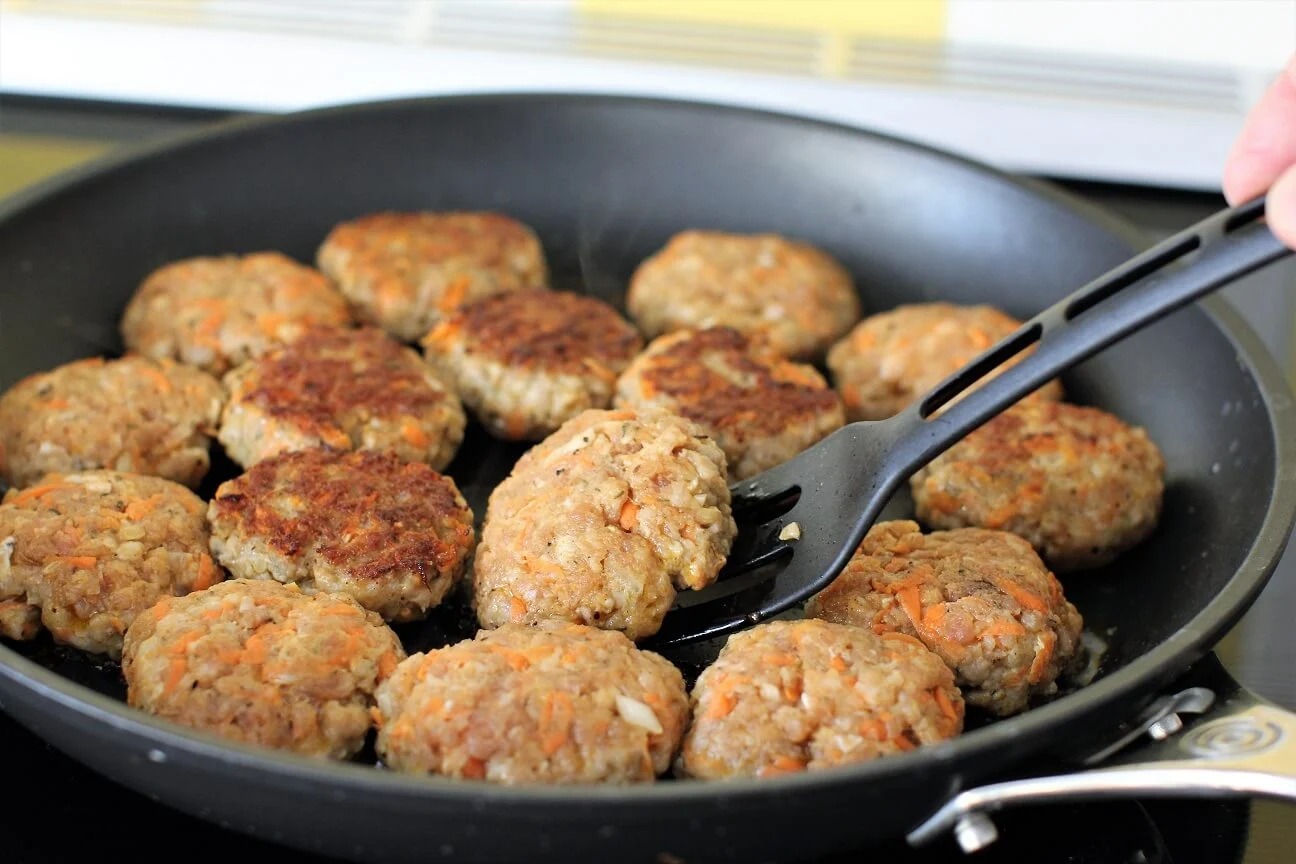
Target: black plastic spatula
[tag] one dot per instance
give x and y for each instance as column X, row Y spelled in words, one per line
column 801, row 521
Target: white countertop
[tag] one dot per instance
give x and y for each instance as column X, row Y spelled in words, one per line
column 1154, row 119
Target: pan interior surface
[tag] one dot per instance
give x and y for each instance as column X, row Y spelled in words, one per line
column 605, row 182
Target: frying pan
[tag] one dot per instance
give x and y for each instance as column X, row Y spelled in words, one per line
column 605, row 181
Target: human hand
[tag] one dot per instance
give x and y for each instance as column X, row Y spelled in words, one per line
column 1264, row 156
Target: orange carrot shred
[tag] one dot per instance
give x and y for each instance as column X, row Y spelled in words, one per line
column 911, row 602
column 946, row 706
column 36, row 492
column 629, row 515
column 1027, row 598
column 782, row 765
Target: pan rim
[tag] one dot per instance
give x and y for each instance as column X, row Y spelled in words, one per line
column 1174, row 654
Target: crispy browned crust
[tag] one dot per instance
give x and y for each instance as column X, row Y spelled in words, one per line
column 763, row 394
column 330, row 372
column 367, row 511
column 552, row 331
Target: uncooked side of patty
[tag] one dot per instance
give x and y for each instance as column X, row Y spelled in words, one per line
column 890, row 359
column 394, row 535
column 406, row 271
column 528, row 361
column 262, row 663
column 342, row 389
column 761, row 409
column 799, row 297
column 133, row 414
column 600, row 522
column 790, row 696
column 981, row 599
column 1079, row 483
column 553, row 703
column 84, row 554
column 216, row 312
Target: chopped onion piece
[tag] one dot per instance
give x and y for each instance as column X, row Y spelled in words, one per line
column 636, row 712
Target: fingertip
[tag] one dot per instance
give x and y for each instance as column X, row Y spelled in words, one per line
column 1280, row 208
column 1245, row 177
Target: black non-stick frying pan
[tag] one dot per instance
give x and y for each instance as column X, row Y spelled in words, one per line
column 605, row 181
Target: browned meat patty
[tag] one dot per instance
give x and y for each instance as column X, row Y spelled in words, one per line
column 526, row 362
column 406, row 271
column 134, row 414
column 761, row 409
column 602, row 521
column 1079, row 483
column 788, row 696
column 552, row 703
column 84, row 554
column 796, row 295
column 342, row 389
column 890, row 359
column 981, row 599
column 262, row 663
column 394, row 535
column 216, row 312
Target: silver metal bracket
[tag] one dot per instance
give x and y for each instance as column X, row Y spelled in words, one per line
column 1246, row 748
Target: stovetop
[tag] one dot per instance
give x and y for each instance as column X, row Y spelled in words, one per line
column 57, row 812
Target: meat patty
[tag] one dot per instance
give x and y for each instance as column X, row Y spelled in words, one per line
column 84, row 554
column 1079, row 483
column 981, row 599
column 796, row 295
column 343, row 389
column 394, row 535
column 789, row 696
column 133, row 414
column 552, row 703
column 406, row 271
column 599, row 523
column 528, row 361
column 890, row 359
column 262, row 663
column 216, row 312
column 761, row 409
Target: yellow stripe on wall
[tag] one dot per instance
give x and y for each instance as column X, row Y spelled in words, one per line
column 884, row 19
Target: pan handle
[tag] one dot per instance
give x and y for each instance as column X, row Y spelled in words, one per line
column 1240, row 746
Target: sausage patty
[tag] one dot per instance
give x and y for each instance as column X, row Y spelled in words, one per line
column 599, row 523
column 216, row 312
column 84, row 554
column 981, row 599
column 406, row 271
column 1079, row 483
column 890, row 359
column 262, row 663
column 761, row 409
column 393, row 535
column 788, row 696
column 551, row 703
column 528, row 361
column 133, row 414
column 795, row 294
column 343, row 389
